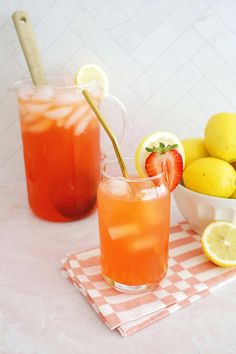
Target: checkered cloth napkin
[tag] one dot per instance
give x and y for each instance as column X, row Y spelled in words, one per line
column 190, row 276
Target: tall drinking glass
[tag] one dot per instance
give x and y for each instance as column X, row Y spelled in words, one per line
column 133, row 219
column 61, row 142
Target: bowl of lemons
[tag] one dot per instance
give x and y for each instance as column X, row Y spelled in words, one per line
column 207, row 192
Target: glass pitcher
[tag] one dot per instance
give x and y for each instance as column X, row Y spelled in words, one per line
column 61, row 142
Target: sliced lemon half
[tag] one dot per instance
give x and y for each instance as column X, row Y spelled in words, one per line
column 153, row 140
column 92, row 72
column 219, row 243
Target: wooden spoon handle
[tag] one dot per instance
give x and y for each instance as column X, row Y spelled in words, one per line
column 27, row 39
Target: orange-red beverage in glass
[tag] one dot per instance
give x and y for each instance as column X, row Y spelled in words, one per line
column 134, row 229
column 61, row 142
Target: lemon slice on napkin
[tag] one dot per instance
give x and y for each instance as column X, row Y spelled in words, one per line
column 219, row 243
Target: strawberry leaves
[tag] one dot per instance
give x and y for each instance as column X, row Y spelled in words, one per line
column 162, row 148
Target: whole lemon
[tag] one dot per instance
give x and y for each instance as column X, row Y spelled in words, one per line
column 194, row 148
column 233, row 195
column 220, row 136
column 210, row 176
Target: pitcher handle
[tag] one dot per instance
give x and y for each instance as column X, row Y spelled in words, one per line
column 123, row 117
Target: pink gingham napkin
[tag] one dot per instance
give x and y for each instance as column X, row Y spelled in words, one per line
column 190, row 276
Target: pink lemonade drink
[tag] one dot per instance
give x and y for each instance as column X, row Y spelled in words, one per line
column 134, row 229
column 61, row 144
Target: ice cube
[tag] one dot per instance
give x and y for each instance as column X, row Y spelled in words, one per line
column 152, row 192
column 147, row 242
column 119, row 188
column 67, row 99
column 123, row 231
column 161, row 190
column 58, row 113
column 148, row 194
column 36, row 108
column 82, row 124
column 153, row 208
column 76, row 115
column 40, row 126
column 43, row 94
column 30, row 118
column 60, row 122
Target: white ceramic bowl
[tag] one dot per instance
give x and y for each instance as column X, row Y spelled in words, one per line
column 200, row 209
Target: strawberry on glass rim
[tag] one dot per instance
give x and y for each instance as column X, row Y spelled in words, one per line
column 165, row 158
column 161, row 152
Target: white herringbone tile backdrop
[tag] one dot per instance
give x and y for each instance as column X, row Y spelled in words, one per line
column 171, row 62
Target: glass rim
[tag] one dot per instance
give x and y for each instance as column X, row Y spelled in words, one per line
column 109, row 161
column 27, row 82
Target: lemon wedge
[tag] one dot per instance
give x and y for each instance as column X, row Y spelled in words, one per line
column 92, row 72
column 219, row 243
column 153, row 140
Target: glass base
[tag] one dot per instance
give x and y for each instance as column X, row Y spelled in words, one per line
column 129, row 289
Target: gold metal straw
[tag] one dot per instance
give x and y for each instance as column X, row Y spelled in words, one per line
column 108, row 131
column 29, row 46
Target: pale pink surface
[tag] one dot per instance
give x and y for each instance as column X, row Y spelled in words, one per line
column 41, row 313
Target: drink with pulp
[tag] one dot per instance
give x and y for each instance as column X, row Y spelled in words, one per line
column 61, row 151
column 134, row 230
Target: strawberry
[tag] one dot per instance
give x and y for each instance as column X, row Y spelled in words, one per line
column 165, row 159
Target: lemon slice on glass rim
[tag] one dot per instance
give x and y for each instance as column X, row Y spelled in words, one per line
column 153, row 140
column 219, row 243
column 92, row 72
